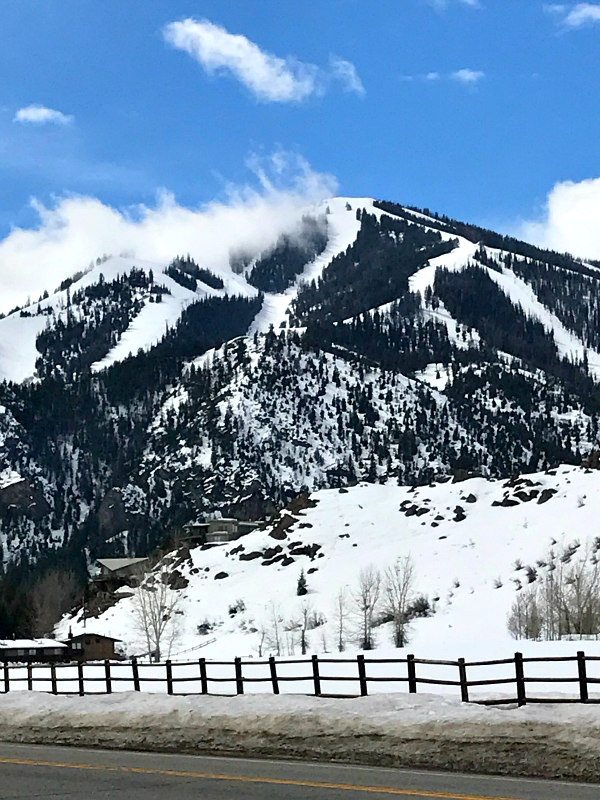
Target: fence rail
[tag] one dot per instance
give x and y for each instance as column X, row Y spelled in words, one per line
column 203, row 677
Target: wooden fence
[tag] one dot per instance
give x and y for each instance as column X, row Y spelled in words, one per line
column 205, row 677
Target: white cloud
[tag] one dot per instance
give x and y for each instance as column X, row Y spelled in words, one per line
column 269, row 77
column 571, row 219
column 345, row 72
column 576, row 16
column 468, row 76
column 441, row 4
column 77, row 229
column 41, row 115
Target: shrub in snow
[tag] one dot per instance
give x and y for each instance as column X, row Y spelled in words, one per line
column 420, row 607
column 236, row 608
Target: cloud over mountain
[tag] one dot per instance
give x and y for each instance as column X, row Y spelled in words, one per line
column 571, row 219
column 77, row 229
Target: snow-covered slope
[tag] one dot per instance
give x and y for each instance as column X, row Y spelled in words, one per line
column 19, row 330
column 275, row 437
column 516, row 289
column 473, row 543
column 521, row 293
column 342, row 229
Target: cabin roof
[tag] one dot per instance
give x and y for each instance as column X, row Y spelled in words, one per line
column 114, row 564
column 87, row 634
column 29, row 644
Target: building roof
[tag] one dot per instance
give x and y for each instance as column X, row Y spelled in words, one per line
column 29, row 644
column 87, row 634
column 222, row 519
column 114, row 564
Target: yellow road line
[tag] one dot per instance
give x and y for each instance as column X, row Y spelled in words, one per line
column 215, row 776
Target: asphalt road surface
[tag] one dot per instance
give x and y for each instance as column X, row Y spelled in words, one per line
column 30, row 771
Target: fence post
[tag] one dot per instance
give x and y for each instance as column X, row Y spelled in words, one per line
column 53, row 678
column 274, row 679
column 6, row 678
column 239, row 680
column 520, row 678
column 412, row 674
column 80, row 678
column 108, row 678
column 583, row 684
column 29, row 677
column 136, row 674
column 169, row 667
column 316, row 676
column 464, row 686
column 362, row 674
column 203, row 677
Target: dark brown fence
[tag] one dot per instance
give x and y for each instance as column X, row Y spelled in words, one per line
column 204, row 677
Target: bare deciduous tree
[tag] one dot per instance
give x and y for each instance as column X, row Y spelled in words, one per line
column 155, row 605
column 306, row 612
column 366, row 599
column 262, row 635
column 525, row 619
column 274, row 626
column 582, row 589
column 341, row 617
column 398, row 587
column 565, row 601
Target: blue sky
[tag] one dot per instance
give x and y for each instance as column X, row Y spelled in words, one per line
column 476, row 108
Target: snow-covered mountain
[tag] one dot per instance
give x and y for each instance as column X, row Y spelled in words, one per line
column 370, row 342
column 476, row 546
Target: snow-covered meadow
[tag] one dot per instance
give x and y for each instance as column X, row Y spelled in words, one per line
column 474, row 545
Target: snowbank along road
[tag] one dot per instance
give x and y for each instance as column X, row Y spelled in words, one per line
column 32, row 772
column 401, row 731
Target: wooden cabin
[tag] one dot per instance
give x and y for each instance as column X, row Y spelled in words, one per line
column 29, row 651
column 89, row 646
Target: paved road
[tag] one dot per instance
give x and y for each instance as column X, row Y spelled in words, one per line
column 28, row 771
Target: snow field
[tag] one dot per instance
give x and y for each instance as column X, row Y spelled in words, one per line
column 469, row 569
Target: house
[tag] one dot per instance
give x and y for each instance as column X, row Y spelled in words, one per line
column 89, row 646
column 217, row 531
column 119, row 567
column 116, row 572
column 28, row 651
